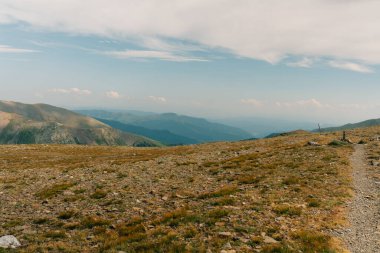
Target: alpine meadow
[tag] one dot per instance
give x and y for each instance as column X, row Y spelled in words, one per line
column 189, row 126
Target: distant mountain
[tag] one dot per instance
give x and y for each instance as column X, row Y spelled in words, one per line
column 261, row 127
column 42, row 123
column 295, row 132
column 366, row 123
column 163, row 136
column 197, row 129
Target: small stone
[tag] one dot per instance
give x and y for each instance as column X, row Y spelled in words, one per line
column 227, row 246
column 165, row 198
column 68, row 193
column 9, row 242
column 225, row 234
column 268, row 239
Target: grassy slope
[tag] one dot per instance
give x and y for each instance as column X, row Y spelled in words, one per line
column 366, row 123
column 41, row 123
column 48, row 113
column 193, row 198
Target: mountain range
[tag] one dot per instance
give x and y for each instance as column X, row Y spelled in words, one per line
column 41, row 123
column 169, row 128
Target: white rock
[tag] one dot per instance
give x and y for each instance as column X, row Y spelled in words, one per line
column 268, row 239
column 9, row 241
column 227, row 246
column 225, row 234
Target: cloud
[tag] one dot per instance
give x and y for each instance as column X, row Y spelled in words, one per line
column 158, row 99
column 9, row 49
column 303, row 103
column 150, row 54
column 356, row 106
column 268, row 30
column 73, row 91
column 303, row 63
column 251, row 101
column 350, row 66
column 113, row 94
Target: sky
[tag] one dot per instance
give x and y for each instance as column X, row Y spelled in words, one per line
column 304, row 60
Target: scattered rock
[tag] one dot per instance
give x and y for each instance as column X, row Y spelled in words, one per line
column 225, row 234
column 313, row 143
column 268, row 239
column 227, row 246
column 9, row 242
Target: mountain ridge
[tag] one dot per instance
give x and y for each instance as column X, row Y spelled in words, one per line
column 42, row 123
column 199, row 129
column 365, row 123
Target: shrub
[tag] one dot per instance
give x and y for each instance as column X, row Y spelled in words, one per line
column 98, row 194
column 94, row 221
column 54, row 190
column 337, row 143
column 287, row 210
column 66, row 215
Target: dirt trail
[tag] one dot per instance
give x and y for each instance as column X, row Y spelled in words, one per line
column 363, row 235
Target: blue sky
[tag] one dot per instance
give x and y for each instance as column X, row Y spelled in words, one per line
column 304, row 60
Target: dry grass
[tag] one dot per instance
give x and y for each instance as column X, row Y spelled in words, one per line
column 178, row 199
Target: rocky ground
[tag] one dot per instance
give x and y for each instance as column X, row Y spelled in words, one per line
column 273, row 195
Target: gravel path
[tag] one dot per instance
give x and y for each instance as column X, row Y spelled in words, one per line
column 364, row 211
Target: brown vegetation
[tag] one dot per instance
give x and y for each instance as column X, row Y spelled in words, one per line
column 179, row 199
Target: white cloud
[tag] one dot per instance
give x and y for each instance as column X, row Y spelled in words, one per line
column 73, row 91
column 158, row 99
column 355, row 106
column 303, row 103
column 350, row 66
column 267, row 30
column 9, row 49
column 150, row 54
column 303, row 63
column 113, row 94
column 251, row 101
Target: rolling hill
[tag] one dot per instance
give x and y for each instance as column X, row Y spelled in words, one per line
column 42, row 123
column 366, row 123
column 197, row 129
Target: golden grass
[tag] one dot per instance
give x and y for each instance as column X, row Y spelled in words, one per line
column 178, row 199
